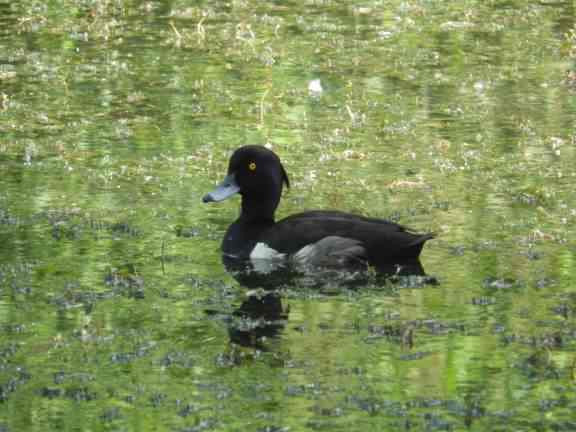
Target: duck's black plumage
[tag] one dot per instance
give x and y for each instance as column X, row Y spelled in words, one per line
column 331, row 239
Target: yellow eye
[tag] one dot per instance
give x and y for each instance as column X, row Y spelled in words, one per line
column 252, row 166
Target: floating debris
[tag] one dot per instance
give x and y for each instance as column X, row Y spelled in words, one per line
column 501, row 283
column 125, row 282
column 315, row 88
column 483, row 301
column 187, row 232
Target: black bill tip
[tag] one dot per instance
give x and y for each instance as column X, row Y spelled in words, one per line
column 207, row 198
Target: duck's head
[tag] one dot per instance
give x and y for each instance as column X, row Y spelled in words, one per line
column 257, row 174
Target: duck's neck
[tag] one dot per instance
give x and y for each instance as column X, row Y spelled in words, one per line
column 256, row 216
column 256, row 210
column 241, row 237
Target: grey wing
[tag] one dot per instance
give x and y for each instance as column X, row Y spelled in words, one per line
column 331, row 252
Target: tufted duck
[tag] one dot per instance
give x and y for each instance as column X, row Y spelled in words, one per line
column 308, row 240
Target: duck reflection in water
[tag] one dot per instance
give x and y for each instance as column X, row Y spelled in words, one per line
column 262, row 316
column 258, row 319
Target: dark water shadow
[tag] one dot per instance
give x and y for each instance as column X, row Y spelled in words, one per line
column 274, row 276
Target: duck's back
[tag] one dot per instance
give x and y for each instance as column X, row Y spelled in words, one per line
column 345, row 235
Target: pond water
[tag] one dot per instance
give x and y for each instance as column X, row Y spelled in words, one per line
column 117, row 116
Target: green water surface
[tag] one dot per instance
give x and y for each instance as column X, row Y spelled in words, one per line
column 117, row 116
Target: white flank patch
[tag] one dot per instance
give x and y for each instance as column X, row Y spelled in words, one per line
column 263, row 251
column 264, row 259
